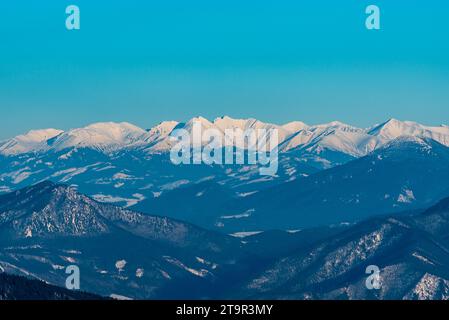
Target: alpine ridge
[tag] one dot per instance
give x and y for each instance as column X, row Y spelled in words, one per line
column 328, row 173
column 334, row 136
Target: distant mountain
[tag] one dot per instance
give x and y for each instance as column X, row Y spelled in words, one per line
column 407, row 173
column 106, row 137
column 109, row 137
column 29, row 142
column 125, row 165
column 411, row 252
column 20, row 288
column 334, row 136
column 125, row 254
column 356, row 142
column 46, row 227
column 122, row 164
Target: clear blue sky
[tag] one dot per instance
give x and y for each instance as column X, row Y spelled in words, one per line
column 276, row 60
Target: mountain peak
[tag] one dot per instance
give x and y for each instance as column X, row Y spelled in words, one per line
column 40, row 135
column 47, row 210
column 165, row 124
column 28, row 142
column 227, row 122
column 394, row 128
column 109, row 137
column 101, row 135
column 295, row 126
column 333, row 124
column 392, row 121
column 163, row 129
column 111, row 126
column 200, row 119
column 391, row 127
column 226, row 118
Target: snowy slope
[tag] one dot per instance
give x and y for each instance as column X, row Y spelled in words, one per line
column 220, row 125
column 124, row 164
column 159, row 133
column 317, row 139
column 106, row 136
column 410, row 250
column 31, row 141
column 406, row 174
column 393, row 129
column 295, row 126
column 358, row 142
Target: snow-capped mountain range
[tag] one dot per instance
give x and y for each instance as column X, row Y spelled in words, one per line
column 408, row 173
column 327, row 173
column 110, row 137
column 330, row 177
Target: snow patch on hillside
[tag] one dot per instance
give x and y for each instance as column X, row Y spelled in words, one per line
column 406, row 197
